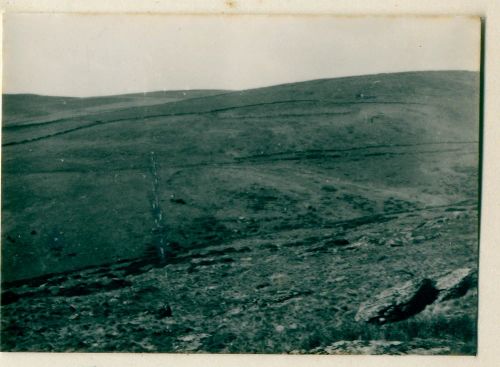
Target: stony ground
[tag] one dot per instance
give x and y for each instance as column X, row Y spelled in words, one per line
column 294, row 291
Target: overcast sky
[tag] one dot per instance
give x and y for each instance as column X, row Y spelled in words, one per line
column 88, row 55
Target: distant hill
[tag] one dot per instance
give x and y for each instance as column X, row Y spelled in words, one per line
column 26, row 108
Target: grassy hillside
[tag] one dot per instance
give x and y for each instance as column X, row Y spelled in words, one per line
column 293, row 155
column 270, row 176
column 27, row 109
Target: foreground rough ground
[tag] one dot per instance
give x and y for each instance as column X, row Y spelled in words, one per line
column 294, row 291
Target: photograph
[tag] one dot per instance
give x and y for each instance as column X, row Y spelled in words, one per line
column 240, row 184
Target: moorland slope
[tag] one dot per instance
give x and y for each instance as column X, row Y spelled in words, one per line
column 257, row 215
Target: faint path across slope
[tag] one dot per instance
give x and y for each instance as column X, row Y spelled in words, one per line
column 211, row 111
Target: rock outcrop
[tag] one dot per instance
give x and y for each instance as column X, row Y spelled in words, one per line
column 374, row 347
column 398, row 303
column 403, row 301
column 455, row 284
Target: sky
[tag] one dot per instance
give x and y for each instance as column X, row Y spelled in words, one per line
column 94, row 55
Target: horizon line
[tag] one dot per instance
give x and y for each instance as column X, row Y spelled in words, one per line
column 224, row 91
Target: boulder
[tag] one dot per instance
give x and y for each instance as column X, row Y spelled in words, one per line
column 398, row 303
column 455, row 284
